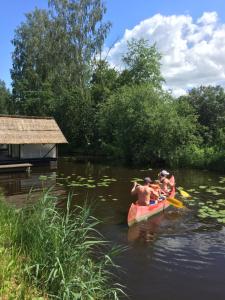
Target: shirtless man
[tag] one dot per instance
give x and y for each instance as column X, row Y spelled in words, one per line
column 144, row 192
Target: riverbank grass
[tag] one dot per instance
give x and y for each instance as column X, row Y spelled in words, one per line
column 53, row 254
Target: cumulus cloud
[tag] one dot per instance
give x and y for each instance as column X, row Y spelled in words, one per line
column 193, row 52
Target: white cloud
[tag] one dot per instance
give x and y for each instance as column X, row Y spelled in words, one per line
column 193, row 52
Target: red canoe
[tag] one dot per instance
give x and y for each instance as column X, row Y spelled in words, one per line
column 139, row 213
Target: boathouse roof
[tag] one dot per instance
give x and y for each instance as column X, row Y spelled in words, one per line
column 30, row 130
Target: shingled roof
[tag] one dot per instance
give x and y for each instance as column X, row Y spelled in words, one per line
column 30, row 130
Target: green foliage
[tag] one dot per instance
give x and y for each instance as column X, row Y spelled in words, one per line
column 55, row 50
column 75, row 113
column 104, row 82
column 209, row 103
column 62, row 255
column 142, row 125
column 79, row 33
column 32, row 70
column 4, row 98
column 142, row 64
column 12, row 281
column 200, row 157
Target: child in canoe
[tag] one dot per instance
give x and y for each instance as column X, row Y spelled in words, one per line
column 165, row 184
column 145, row 193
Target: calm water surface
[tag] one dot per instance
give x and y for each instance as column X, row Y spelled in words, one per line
column 175, row 255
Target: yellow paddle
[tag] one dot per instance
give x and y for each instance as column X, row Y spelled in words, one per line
column 184, row 194
column 176, row 203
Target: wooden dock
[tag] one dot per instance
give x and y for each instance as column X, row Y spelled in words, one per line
column 17, row 167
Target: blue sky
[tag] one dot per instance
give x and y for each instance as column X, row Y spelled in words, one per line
column 124, row 14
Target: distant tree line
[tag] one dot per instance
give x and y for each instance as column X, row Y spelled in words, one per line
column 58, row 70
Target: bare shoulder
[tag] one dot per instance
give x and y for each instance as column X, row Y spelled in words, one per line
column 149, row 189
column 138, row 187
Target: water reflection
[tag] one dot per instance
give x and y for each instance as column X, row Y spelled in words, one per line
column 145, row 231
column 169, row 221
column 16, row 186
column 21, row 182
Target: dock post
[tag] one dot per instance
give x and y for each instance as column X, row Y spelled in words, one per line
column 28, row 170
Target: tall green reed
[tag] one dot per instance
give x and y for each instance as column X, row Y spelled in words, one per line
column 64, row 254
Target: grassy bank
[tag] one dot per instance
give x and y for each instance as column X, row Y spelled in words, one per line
column 52, row 254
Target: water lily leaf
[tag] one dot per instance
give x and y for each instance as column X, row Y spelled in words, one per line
column 136, row 179
column 43, row 177
column 91, row 186
column 180, row 188
column 216, row 193
column 202, row 216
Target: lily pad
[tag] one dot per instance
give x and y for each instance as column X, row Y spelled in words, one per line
column 202, row 187
column 43, row 177
column 191, row 190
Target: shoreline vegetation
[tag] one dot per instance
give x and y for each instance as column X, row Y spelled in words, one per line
column 50, row 253
column 201, row 159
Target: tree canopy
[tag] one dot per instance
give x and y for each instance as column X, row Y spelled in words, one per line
column 4, row 98
column 142, row 64
column 209, row 103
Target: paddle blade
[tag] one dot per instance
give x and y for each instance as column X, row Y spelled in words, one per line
column 175, row 202
column 184, row 194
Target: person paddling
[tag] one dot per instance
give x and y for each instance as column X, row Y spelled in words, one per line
column 165, row 183
column 144, row 192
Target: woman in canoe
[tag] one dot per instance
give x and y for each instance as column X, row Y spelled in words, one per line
column 145, row 193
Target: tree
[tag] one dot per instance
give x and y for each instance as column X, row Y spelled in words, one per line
column 142, row 64
column 53, row 59
column 80, row 36
column 32, row 65
column 4, row 98
column 104, row 82
column 142, row 125
column 209, row 103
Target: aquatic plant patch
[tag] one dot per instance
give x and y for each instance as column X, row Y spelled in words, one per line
column 82, row 182
column 214, row 210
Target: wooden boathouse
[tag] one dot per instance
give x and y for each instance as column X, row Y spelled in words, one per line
column 31, row 140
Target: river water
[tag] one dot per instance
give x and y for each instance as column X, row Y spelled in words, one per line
column 178, row 254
